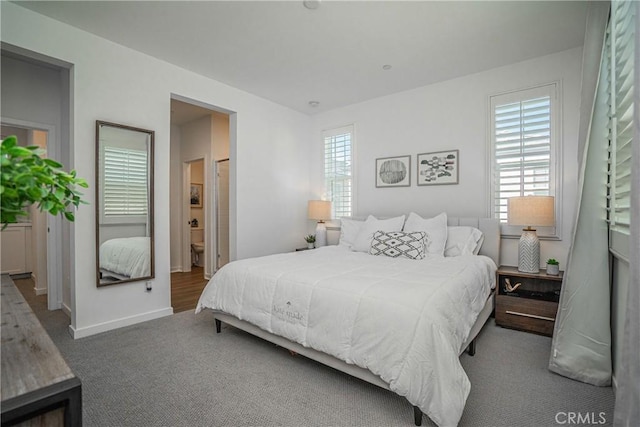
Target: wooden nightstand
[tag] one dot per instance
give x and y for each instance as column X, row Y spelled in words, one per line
column 527, row 301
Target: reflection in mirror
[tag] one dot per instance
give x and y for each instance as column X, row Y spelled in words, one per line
column 124, row 207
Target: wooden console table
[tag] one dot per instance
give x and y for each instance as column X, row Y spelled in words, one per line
column 38, row 388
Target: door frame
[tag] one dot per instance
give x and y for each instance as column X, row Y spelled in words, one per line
column 185, row 229
column 54, row 224
column 186, row 213
column 216, row 217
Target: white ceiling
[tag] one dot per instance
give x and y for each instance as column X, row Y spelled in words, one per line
column 292, row 55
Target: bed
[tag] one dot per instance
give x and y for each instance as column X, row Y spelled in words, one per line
column 125, row 258
column 397, row 323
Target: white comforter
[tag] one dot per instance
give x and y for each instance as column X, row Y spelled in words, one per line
column 403, row 320
column 127, row 256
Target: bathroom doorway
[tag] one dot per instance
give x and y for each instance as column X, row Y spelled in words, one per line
column 199, row 198
column 194, row 209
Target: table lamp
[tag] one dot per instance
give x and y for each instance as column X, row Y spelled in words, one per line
column 320, row 210
column 530, row 211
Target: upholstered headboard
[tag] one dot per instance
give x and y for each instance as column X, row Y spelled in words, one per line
column 490, row 228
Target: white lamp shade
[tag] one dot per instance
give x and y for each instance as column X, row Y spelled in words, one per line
column 531, row 211
column 319, row 210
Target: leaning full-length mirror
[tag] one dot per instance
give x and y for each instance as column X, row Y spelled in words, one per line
column 124, row 203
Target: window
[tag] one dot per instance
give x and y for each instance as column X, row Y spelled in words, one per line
column 619, row 59
column 338, row 170
column 125, row 183
column 524, row 143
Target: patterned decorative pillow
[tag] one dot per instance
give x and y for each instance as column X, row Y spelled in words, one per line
column 399, row 244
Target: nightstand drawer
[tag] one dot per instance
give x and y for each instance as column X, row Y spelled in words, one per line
column 539, row 287
column 526, row 314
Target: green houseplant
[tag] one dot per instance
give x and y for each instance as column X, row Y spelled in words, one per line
column 27, row 178
column 311, row 240
column 553, row 267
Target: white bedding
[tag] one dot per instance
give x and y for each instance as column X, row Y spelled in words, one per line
column 404, row 320
column 126, row 256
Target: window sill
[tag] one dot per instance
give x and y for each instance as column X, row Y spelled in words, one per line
column 619, row 245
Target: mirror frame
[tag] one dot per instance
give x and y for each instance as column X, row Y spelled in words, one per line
column 98, row 189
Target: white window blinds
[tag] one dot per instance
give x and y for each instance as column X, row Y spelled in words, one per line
column 125, row 190
column 523, row 139
column 338, row 170
column 620, row 48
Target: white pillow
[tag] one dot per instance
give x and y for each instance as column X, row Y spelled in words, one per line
column 371, row 225
column 463, row 241
column 436, row 229
column 349, row 229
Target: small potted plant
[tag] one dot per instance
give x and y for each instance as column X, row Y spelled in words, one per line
column 311, row 240
column 553, row 267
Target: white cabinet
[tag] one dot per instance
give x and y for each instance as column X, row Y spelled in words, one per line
column 16, row 249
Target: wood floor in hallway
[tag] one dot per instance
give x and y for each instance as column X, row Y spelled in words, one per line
column 186, row 289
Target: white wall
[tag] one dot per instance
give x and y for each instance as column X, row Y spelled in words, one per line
column 452, row 115
column 30, row 92
column 220, row 137
column 269, row 158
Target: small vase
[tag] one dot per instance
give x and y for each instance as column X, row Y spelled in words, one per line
column 310, row 245
column 553, row 269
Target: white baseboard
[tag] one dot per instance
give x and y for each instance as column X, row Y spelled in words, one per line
column 119, row 323
column 177, row 269
column 38, row 291
column 66, row 309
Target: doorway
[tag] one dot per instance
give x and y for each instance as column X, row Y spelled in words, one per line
column 30, row 247
column 36, row 97
column 199, row 196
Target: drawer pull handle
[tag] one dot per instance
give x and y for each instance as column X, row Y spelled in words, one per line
column 515, row 313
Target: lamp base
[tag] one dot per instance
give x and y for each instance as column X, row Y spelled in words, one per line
column 321, row 234
column 529, row 252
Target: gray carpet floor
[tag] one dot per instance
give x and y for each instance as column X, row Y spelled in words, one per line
column 176, row 371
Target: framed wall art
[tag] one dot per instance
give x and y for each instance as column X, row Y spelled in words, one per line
column 196, row 195
column 393, row 172
column 440, row 167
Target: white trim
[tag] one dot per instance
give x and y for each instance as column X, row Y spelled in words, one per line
column 619, row 244
column 556, row 170
column 341, row 130
column 118, row 323
column 185, row 229
column 66, row 310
